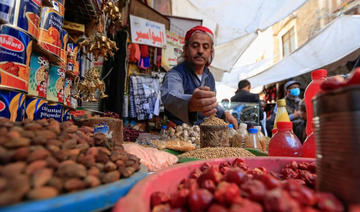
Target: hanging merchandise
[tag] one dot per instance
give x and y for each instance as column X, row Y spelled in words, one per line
column 144, row 97
column 99, row 44
column 270, row 94
column 125, row 112
column 111, row 11
column 86, row 88
column 134, row 53
column 144, row 62
column 157, row 57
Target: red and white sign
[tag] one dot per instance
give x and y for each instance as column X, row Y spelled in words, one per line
column 147, row 32
column 11, row 43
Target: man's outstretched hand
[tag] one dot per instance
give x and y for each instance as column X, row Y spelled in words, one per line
column 204, row 101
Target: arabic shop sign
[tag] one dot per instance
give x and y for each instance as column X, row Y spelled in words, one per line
column 147, row 32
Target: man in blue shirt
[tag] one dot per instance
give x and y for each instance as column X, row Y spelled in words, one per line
column 188, row 90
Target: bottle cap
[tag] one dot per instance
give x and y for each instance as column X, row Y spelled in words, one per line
column 253, row 130
column 281, row 103
column 284, row 125
column 163, row 127
column 319, row 74
column 230, row 126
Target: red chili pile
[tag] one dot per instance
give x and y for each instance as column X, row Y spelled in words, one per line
column 235, row 187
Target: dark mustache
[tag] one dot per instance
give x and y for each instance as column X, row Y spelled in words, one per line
column 197, row 56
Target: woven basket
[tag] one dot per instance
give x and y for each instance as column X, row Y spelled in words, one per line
column 214, row 136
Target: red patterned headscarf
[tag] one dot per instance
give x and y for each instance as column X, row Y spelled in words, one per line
column 197, row 29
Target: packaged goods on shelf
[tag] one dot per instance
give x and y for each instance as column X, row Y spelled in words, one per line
column 39, row 73
column 35, row 108
column 15, row 52
column 12, row 105
column 55, row 91
column 51, row 25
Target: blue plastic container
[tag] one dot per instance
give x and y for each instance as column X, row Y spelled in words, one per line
column 95, row 199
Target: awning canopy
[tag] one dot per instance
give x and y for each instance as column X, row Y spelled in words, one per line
column 234, row 22
column 337, row 40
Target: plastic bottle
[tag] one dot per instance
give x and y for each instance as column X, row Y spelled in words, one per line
column 242, row 137
column 317, row 76
column 253, row 141
column 309, row 147
column 261, row 138
column 285, row 142
column 232, row 131
column 281, row 113
column 163, row 132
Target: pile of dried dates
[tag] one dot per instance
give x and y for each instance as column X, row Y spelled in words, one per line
column 232, row 187
column 44, row 158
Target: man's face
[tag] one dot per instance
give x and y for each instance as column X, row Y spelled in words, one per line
column 291, row 87
column 199, row 49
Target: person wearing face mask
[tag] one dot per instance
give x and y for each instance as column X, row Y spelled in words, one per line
column 292, row 91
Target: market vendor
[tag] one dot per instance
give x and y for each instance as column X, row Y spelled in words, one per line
column 188, row 90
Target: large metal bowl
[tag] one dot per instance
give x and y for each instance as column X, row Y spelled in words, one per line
column 337, row 131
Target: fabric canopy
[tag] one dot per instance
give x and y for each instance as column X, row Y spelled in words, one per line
column 234, row 22
column 337, row 40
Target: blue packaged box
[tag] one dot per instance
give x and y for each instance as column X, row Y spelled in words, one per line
column 66, row 116
column 12, row 105
column 26, row 15
column 54, row 111
column 36, row 108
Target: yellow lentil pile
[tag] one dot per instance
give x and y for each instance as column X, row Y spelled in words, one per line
column 216, row 152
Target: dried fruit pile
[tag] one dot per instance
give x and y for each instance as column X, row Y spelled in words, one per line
column 130, row 134
column 44, row 158
column 235, row 187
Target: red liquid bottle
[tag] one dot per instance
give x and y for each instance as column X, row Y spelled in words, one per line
column 285, row 142
column 309, row 147
column 317, row 76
